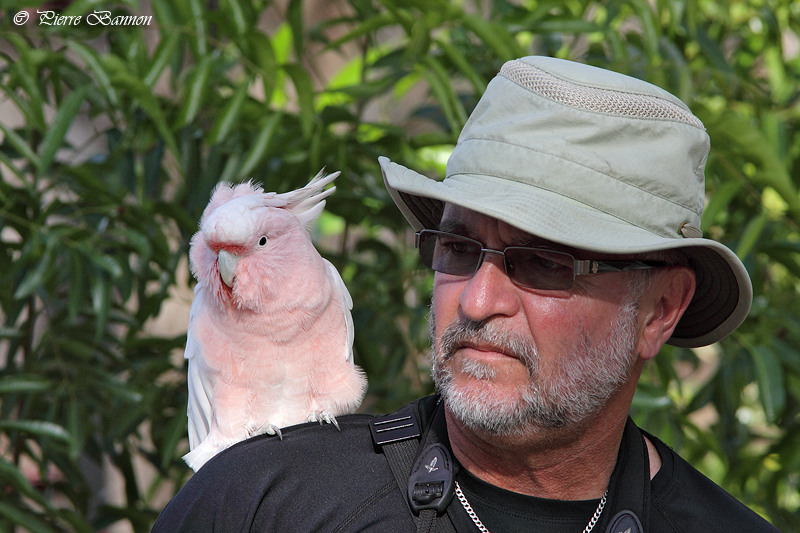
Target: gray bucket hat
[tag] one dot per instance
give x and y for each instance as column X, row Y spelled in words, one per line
column 591, row 159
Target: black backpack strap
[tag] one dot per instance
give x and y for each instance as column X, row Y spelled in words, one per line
column 397, row 435
column 629, row 487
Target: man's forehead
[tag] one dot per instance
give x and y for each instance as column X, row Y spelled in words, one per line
column 464, row 221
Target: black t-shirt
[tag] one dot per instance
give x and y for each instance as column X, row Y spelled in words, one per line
column 502, row 510
column 321, row 479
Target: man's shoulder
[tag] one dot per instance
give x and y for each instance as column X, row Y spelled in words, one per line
column 687, row 500
column 317, row 474
column 304, row 447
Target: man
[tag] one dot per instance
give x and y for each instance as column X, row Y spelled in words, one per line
column 566, row 244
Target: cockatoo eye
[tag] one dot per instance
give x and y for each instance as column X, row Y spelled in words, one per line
column 262, row 241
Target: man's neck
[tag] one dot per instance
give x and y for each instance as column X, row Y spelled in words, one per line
column 573, row 464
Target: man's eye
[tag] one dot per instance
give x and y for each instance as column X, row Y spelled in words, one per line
column 457, row 247
column 553, row 261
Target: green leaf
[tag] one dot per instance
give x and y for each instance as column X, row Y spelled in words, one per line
column 294, row 15
column 41, row 273
column 305, row 96
column 236, row 14
column 92, row 60
column 25, row 519
column 261, row 144
column 198, row 21
column 463, row 65
column 164, row 53
column 175, row 432
column 195, row 92
column 719, row 201
column 54, row 138
column 229, row 117
column 492, row 35
column 442, row 87
column 771, row 389
column 40, row 428
column 752, row 235
column 101, row 303
column 14, row 478
column 126, row 81
column 76, row 284
column 20, row 145
column 262, row 54
column 25, row 68
column 21, row 383
column 362, row 29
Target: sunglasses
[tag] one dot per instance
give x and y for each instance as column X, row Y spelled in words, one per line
column 533, row 268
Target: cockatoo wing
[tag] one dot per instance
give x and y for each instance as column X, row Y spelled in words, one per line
column 199, row 410
column 347, row 305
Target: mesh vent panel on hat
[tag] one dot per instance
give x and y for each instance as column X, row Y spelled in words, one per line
column 593, row 98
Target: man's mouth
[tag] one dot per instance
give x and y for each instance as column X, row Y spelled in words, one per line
column 486, row 348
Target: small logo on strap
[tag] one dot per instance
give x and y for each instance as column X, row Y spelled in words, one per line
column 432, row 467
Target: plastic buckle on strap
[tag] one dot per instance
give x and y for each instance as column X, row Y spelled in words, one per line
column 392, row 428
column 431, row 483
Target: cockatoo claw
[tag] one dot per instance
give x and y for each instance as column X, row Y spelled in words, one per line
column 271, row 429
column 323, row 416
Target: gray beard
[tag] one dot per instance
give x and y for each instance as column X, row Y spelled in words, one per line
column 581, row 386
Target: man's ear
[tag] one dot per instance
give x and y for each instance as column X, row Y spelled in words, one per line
column 662, row 306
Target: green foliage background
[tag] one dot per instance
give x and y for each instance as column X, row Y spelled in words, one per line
column 94, row 240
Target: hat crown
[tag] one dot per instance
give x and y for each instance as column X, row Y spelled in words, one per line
column 606, row 140
column 648, row 101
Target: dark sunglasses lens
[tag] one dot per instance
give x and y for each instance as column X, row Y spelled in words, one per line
column 449, row 254
column 540, row 269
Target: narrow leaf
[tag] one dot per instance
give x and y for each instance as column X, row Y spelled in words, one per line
column 20, row 145
column 752, row 235
column 236, row 14
column 294, row 16
column 199, row 25
column 493, row 35
column 229, row 116
column 101, row 302
column 19, row 383
column 162, row 56
column 54, row 138
column 771, row 389
column 305, row 96
column 92, row 60
column 39, row 275
column 260, row 145
column 28, row 521
column 196, row 88
column 121, row 77
column 41, row 428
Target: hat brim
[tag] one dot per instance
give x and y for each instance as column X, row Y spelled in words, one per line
column 723, row 291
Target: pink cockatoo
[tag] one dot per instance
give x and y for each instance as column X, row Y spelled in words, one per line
column 270, row 338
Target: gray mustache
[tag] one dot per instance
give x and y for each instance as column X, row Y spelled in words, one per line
column 466, row 331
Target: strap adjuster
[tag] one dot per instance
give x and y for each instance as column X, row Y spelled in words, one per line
column 392, row 428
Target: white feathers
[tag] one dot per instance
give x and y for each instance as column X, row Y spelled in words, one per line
column 308, row 203
column 270, row 339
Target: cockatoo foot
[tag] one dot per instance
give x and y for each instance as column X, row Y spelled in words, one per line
column 271, row 429
column 323, row 417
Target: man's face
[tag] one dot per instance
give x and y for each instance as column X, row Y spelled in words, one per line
column 509, row 360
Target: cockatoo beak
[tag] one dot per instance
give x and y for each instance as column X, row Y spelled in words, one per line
column 226, row 262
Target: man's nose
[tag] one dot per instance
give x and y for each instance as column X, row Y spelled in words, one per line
column 489, row 292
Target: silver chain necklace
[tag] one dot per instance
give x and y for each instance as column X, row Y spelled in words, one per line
column 468, row 508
